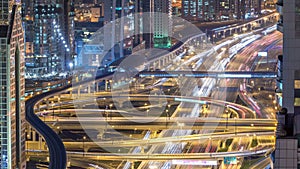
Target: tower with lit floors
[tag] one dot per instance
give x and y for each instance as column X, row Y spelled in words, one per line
column 12, row 87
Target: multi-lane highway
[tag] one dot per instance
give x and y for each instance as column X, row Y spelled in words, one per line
column 57, row 151
column 177, row 129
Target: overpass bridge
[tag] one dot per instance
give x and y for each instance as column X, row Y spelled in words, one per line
column 158, row 157
column 144, row 123
column 223, row 32
column 209, row 74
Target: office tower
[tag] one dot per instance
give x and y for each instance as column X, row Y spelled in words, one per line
column 12, row 106
column 198, row 9
column 240, row 9
column 291, row 60
column 49, row 36
column 160, row 25
column 288, row 87
column 225, row 9
column 121, row 15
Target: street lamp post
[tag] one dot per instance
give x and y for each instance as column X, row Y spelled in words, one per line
column 227, row 114
column 167, row 116
column 83, row 139
column 53, row 109
column 110, row 106
column 59, row 105
column 235, row 132
column 44, row 115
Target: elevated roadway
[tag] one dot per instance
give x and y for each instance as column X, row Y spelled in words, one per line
column 57, row 152
column 159, row 157
column 164, row 140
column 209, row 74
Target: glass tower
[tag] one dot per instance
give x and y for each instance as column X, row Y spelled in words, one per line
column 12, row 86
column 49, row 36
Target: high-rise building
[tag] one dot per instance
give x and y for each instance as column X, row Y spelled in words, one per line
column 209, row 10
column 289, row 79
column 49, row 35
column 288, row 87
column 158, row 31
column 121, row 14
column 225, row 9
column 203, row 10
column 12, row 87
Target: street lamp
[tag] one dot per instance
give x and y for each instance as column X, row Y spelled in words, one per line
column 71, row 65
column 235, row 126
column 53, row 109
column 83, row 139
column 213, row 37
column 270, row 96
column 110, row 106
column 227, row 114
column 59, row 105
column 167, row 113
column 44, row 115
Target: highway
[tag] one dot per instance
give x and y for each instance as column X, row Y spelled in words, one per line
column 186, row 138
column 160, row 157
column 57, row 151
column 209, row 74
column 171, row 131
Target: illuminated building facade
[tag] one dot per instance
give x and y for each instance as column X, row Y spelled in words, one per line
column 49, row 36
column 12, row 87
column 210, row 10
column 114, row 11
column 198, row 9
column 160, row 25
column 288, row 87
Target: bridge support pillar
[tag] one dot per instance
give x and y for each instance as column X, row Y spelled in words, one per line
column 47, row 103
column 154, row 134
column 33, row 135
column 78, row 92
column 97, row 87
column 89, row 89
column 40, row 147
column 142, row 149
column 159, row 65
column 106, row 85
column 100, row 134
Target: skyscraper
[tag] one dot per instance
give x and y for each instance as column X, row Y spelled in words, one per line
column 124, row 24
column 290, row 83
column 160, row 25
column 12, row 87
column 288, row 87
column 49, row 35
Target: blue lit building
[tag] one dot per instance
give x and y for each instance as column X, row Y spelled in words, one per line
column 49, row 36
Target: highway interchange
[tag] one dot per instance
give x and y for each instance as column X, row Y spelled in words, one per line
column 195, row 117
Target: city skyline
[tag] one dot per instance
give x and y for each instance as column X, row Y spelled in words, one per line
column 149, row 84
